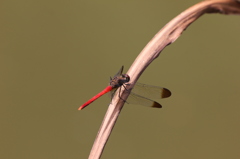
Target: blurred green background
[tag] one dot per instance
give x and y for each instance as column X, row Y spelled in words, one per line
column 55, row 55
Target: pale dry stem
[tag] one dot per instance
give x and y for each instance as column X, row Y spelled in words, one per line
column 167, row 35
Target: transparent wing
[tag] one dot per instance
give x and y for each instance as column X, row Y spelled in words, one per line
column 119, row 72
column 139, row 100
column 141, row 93
column 152, row 92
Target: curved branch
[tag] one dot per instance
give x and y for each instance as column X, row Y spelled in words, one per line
column 167, row 35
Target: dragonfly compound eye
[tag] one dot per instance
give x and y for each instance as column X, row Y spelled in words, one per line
column 127, row 78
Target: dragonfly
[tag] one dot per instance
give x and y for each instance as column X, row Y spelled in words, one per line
column 141, row 94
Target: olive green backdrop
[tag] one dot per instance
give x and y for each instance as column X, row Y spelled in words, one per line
column 55, row 55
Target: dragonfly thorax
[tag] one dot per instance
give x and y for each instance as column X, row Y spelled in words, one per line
column 119, row 80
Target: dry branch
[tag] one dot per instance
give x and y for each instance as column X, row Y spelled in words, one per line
column 167, row 35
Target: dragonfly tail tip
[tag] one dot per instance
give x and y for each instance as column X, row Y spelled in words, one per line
column 80, row 108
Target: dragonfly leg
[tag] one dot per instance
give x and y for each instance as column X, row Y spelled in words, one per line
column 125, row 87
column 120, row 96
column 112, row 94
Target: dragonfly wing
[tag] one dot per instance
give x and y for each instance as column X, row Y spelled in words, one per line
column 119, row 72
column 139, row 100
column 152, row 92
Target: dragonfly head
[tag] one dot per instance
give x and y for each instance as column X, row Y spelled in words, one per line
column 119, row 80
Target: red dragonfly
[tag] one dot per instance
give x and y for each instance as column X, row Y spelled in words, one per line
column 139, row 95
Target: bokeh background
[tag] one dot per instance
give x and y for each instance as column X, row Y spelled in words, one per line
column 55, row 55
